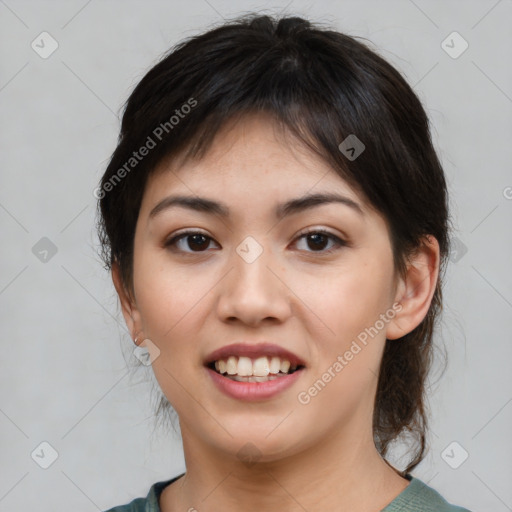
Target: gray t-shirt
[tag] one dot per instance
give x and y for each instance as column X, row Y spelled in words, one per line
column 416, row 497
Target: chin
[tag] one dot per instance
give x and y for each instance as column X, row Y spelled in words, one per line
column 256, row 445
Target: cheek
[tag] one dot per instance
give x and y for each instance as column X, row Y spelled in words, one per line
column 348, row 299
column 169, row 301
column 349, row 303
column 168, row 295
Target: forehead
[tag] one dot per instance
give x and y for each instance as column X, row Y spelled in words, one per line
column 252, row 153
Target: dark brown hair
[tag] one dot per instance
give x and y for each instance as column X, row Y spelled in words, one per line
column 321, row 86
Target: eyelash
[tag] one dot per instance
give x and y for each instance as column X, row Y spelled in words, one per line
column 338, row 241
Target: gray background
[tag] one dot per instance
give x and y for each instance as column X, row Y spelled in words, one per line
column 64, row 375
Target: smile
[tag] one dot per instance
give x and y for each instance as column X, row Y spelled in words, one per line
column 253, row 372
column 261, row 369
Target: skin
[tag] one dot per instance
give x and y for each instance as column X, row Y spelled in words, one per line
column 315, row 456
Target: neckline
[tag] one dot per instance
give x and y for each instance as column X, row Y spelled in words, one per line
column 156, row 491
column 412, row 489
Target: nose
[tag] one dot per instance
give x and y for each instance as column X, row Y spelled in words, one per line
column 254, row 292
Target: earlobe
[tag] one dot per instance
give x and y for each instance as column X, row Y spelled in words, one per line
column 128, row 306
column 416, row 289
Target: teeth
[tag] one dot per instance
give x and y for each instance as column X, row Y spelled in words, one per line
column 258, row 370
column 253, row 379
column 232, row 365
column 244, row 367
column 260, row 367
column 275, row 365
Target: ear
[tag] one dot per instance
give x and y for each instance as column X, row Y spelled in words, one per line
column 131, row 314
column 416, row 289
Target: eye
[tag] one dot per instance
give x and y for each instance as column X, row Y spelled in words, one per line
column 318, row 239
column 197, row 242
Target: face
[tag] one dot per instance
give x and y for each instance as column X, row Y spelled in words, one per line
column 317, row 280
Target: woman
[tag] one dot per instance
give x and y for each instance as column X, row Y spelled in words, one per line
column 276, row 222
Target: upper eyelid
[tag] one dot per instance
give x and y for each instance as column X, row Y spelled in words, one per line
column 302, row 232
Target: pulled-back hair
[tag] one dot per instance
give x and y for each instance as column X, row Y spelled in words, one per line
column 320, row 86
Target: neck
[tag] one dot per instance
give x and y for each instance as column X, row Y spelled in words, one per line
column 330, row 475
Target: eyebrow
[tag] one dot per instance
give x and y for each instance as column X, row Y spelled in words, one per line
column 204, row 205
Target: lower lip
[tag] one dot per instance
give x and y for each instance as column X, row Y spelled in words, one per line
column 253, row 391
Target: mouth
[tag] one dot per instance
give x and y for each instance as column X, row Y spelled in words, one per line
column 254, row 363
column 245, row 369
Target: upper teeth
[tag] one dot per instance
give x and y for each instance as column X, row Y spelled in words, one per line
column 260, row 367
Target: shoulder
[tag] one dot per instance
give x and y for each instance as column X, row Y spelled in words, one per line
column 419, row 497
column 147, row 504
column 137, row 505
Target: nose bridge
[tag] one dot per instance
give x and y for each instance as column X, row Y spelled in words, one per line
column 251, row 262
column 252, row 292
column 251, row 250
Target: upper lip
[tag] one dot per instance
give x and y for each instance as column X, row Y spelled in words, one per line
column 254, row 351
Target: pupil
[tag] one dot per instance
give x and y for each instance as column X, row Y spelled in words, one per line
column 316, row 238
column 197, row 238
